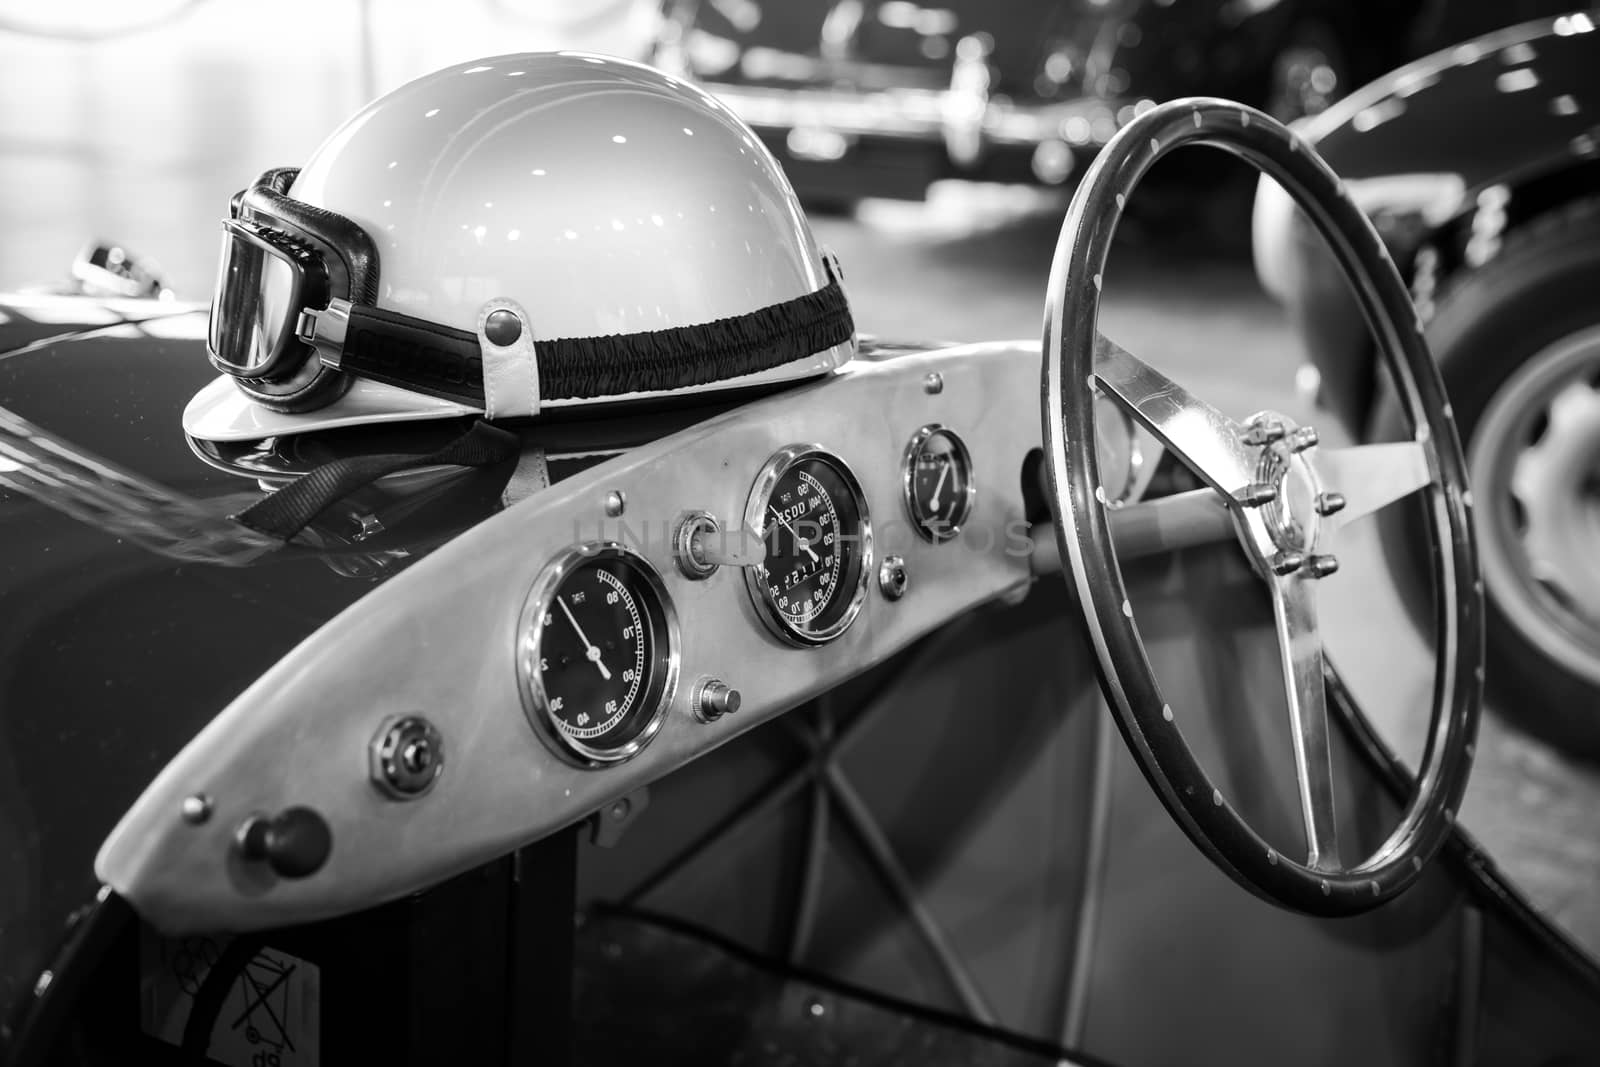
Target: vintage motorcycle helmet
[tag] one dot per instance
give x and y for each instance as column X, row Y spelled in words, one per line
column 510, row 235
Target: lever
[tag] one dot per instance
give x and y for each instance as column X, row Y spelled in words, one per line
column 743, row 549
column 295, row 843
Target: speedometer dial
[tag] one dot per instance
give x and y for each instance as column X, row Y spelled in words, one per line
column 817, row 539
column 597, row 659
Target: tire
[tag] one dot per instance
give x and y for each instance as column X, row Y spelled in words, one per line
column 1510, row 337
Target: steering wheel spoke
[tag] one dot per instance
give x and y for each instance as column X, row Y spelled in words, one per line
column 1207, row 441
column 1294, row 610
column 1368, row 478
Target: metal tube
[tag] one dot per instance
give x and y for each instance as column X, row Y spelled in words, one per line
column 1148, row 528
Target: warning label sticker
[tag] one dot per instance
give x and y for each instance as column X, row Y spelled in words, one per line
column 270, row 1014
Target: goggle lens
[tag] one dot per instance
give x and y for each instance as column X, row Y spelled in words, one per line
column 261, row 290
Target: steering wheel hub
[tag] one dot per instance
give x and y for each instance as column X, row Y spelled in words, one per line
column 1288, row 524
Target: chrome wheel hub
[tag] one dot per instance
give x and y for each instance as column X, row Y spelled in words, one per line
column 1536, row 459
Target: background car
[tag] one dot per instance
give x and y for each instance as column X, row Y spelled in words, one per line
column 1480, row 165
column 882, row 98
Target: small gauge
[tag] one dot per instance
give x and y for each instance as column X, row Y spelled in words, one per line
column 938, row 483
column 1122, row 463
column 597, row 656
column 817, row 538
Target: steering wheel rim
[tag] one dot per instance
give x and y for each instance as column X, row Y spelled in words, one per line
column 1241, row 463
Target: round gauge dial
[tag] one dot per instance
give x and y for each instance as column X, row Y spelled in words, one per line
column 598, row 654
column 817, row 539
column 938, row 483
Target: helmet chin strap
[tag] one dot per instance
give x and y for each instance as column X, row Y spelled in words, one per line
column 291, row 509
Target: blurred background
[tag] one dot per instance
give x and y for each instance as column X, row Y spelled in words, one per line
column 134, row 122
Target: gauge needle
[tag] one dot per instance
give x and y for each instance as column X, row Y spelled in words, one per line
column 591, row 652
column 801, row 541
column 938, row 487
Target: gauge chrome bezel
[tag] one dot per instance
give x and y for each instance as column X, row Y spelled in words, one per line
column 908, row 473
column 1138, row 470
column 761, row 594
column 530, row 682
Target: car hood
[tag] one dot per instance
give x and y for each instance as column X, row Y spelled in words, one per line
column 1493, row 109
column 120, row 634
column 34, row 318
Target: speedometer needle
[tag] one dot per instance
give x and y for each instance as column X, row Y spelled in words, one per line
column 801, row 541
column 938, row 487
column 591, row 652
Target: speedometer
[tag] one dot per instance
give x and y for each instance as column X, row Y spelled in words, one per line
column 597, row 656
column 817, row 541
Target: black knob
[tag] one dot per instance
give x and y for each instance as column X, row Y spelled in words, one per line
column 295, row 842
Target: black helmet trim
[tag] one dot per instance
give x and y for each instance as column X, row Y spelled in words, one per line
column 440, row 361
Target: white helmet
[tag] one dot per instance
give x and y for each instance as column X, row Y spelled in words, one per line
column 522, row 232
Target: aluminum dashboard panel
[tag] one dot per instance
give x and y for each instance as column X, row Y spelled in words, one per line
column 440, row 641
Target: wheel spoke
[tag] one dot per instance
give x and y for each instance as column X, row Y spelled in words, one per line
column 1294, row 610
column 1209, row 442
column 1371, row 477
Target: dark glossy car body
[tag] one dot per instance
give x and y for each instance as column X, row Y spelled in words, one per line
column 1081, row 913
column 1480, row 166
column 1419, row 149
column 881, row 98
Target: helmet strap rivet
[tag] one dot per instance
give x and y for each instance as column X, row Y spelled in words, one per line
column 503, row 327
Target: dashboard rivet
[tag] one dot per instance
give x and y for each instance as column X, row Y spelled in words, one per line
column 616, row 503
column 892, row 578
column 714, row 698
column 933, row 383
column 406, row 757
column 197, row 808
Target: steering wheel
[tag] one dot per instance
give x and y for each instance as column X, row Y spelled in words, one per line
column 1288, row 497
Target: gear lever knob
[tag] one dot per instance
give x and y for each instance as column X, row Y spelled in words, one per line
column 295, row 843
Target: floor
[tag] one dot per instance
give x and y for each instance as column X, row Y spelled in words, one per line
column 142, row 140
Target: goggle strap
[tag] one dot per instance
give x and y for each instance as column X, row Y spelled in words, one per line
column 441, row 361
column 414, row 354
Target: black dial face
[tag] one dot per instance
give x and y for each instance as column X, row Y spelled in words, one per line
column 599, row 653
column 938, row 481
column 817, row 542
